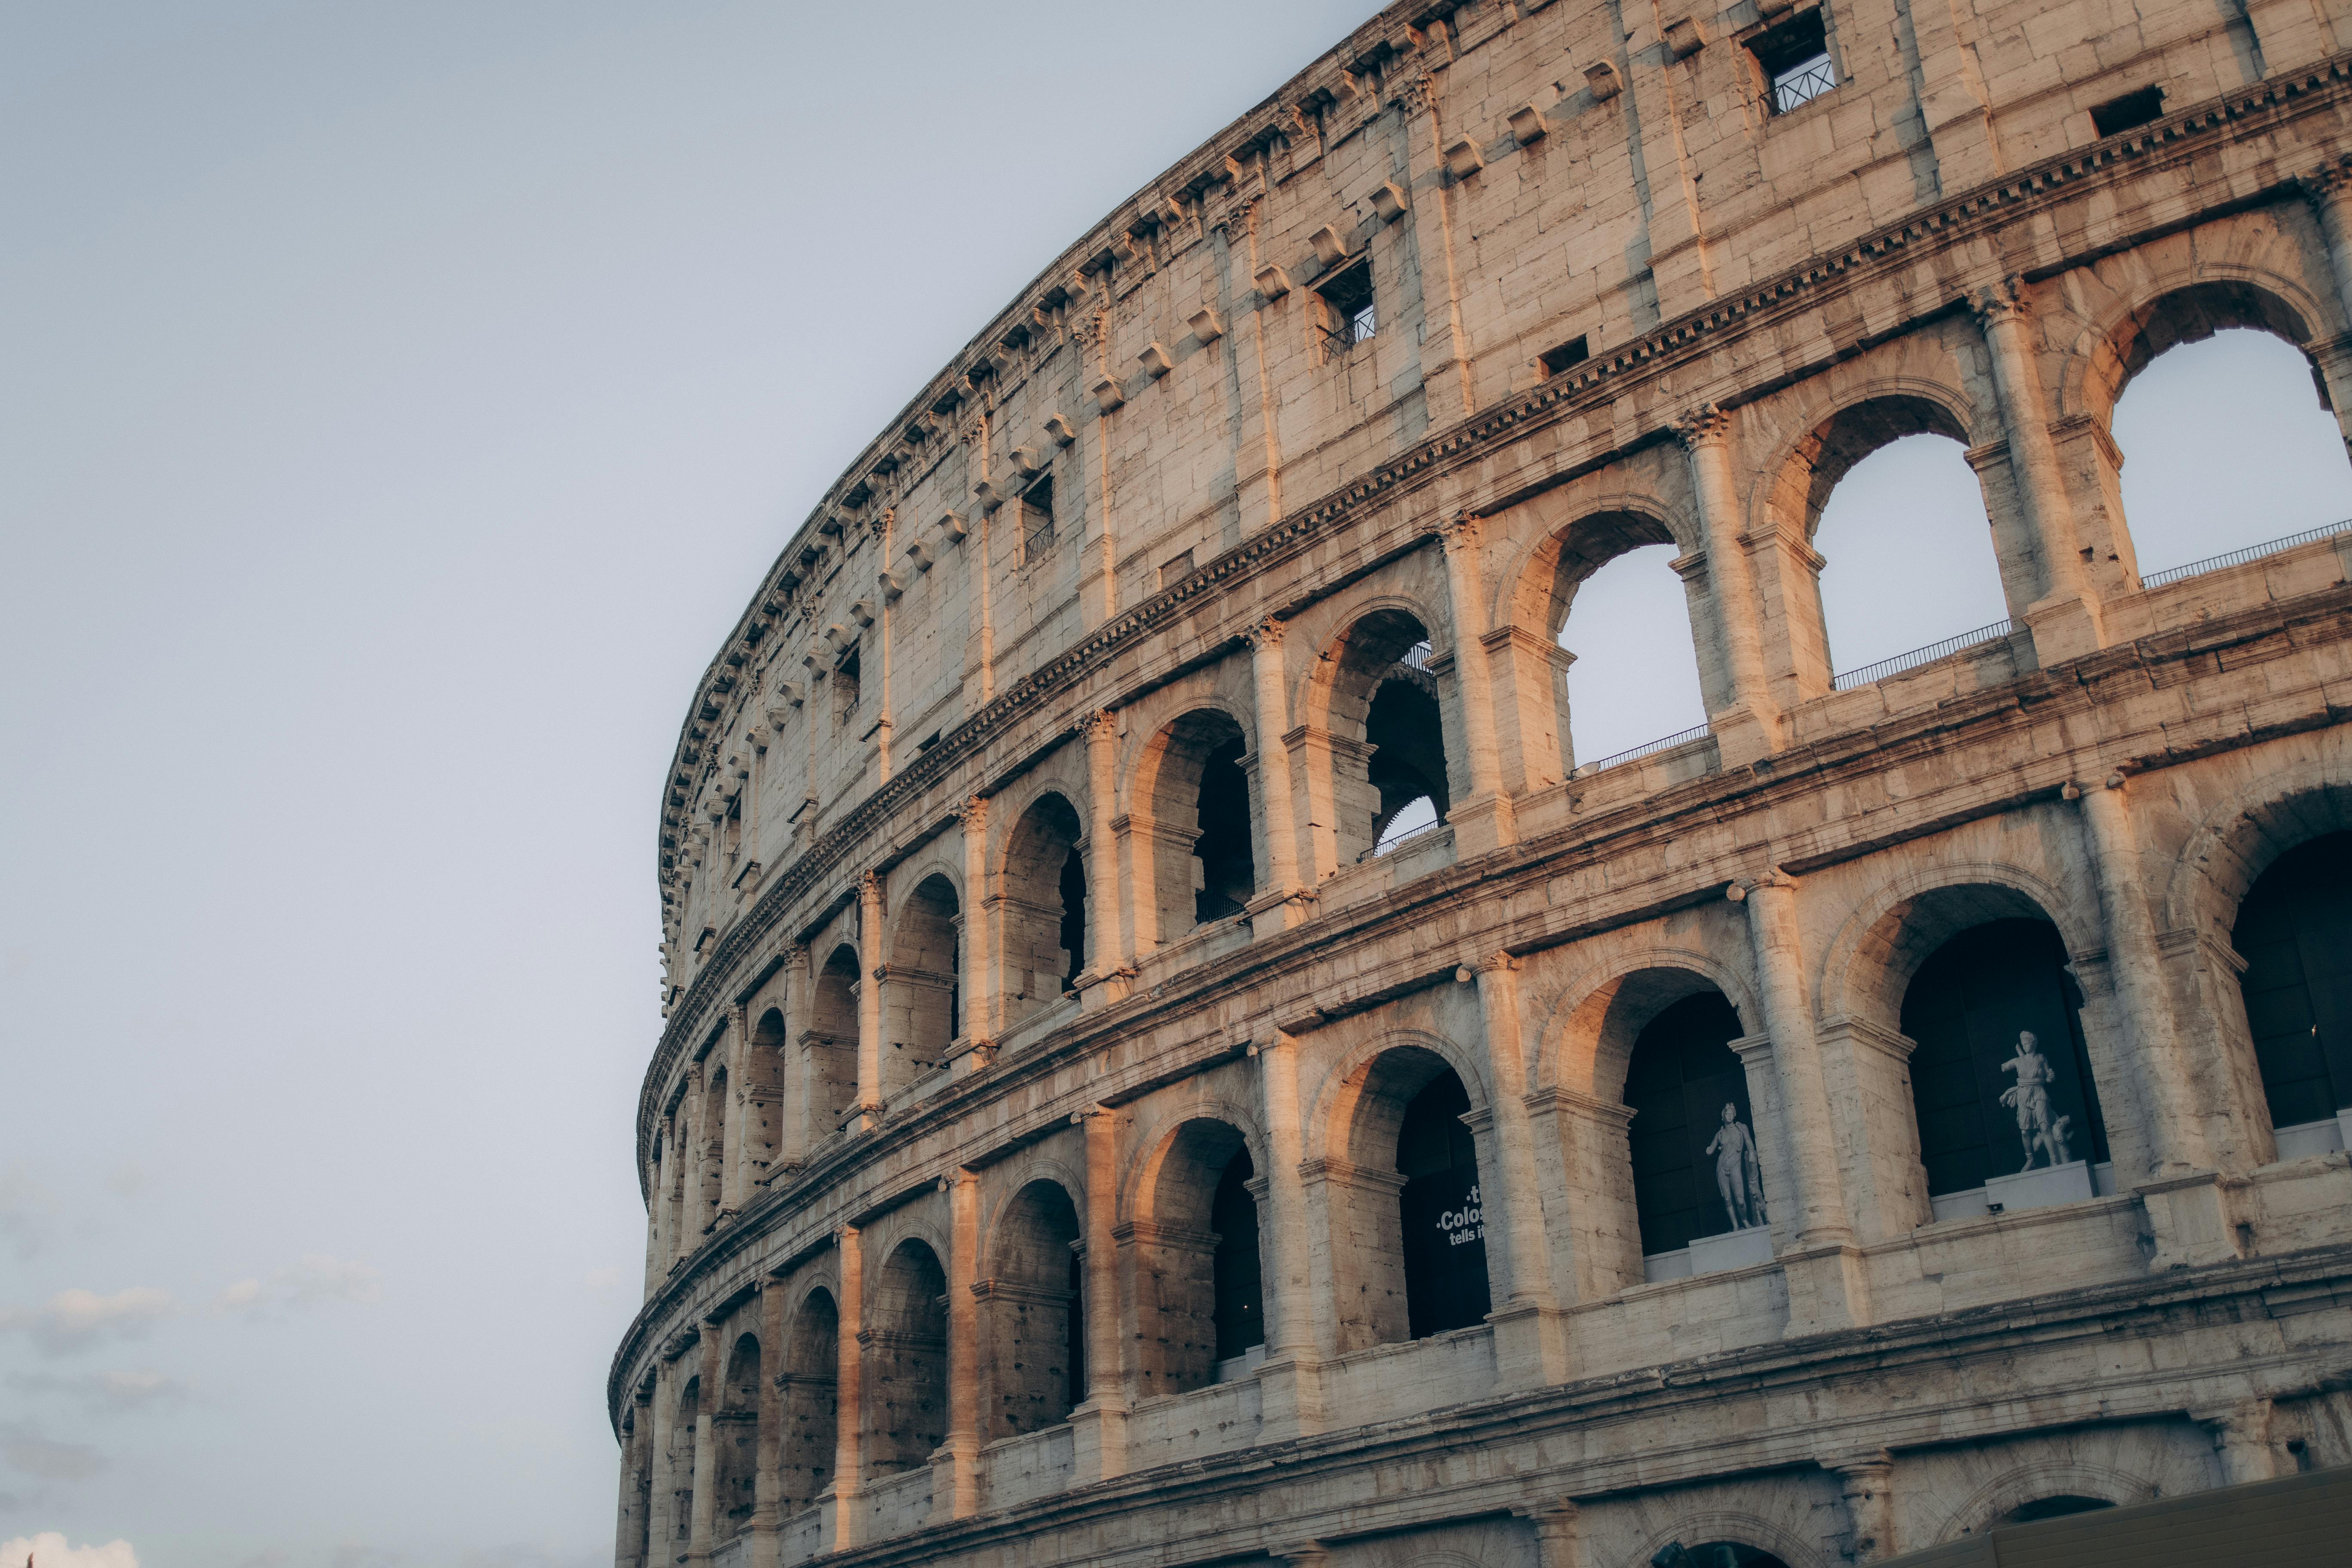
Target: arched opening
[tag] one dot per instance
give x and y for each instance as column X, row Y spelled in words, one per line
column 2001, row 1083
column 832, row 1043
column 735, row 1441
column 1236, row 1271
column 2054, row 1508
column 1624, row 615
column 2205, row 474
column 1044, row 901
column 1442, row 1212
column 907, row 1361
column 682, row 1441
column 811, row 1414
column 1899, row 519
column 1698, row 1170
column 710, row 1172
column 2294, row 931
column 1034, row 1329
column 1375, row 741
column 1194, row 801
column 1714, row 1554
column 763, row 1088
column 1192, row 1254
column 923, row 1013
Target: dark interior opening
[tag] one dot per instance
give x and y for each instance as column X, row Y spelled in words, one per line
column 2135, row 108
column 1227, row 878
column 1572, row 352
column 1074, row 918
column 1239, row 1313
column 1444, row 1217
column 1691, row 1177
column 2294, row 931
column 1409, row 758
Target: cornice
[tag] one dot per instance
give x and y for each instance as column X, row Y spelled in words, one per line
column 1459, row 447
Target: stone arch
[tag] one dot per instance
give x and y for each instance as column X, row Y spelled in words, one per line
column 2179, row 304
column 1007, row 1180
column 1388, row 1092
column 710, row 1153
column 922, row 985
column 1192, row 821
column 2026, row 1483
column 1880, row 945
column 809, row 1382
column 905, row 1341
column 830, row 1041
column 766, row 1057
column 1735, row 1525
column 1196, row 1268
column 735, row 1438
column 1038, row 903
column 1032, row 1330
column 1588, row 1037
column 1366, row 696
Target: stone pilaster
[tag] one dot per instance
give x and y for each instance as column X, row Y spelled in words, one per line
column 2063, row 616
column 871, row 953
column 1484, row 821
column 1560, row 1534
column 2241, row 1436
column 734, row 1175
column 1281, row 902
column 631, row 1537
column 955, row 1468
column 1530, row 1334
column 1752, row 725
column 1445, row 367
column 1866, row 1480
column 1106, row 970
column 712, row 1357
column 1099, row 1425
column 1289, row 1379
column 791, row 1140
column 843, row 1513
column 980, row 980
column 766, row 1546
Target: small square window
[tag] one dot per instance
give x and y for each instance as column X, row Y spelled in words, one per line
column 1349, row 314
column 1795, row 60
column 2132, row 109
column 1572, row 352
column 1037, row 518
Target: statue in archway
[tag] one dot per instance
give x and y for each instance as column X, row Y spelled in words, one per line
column 1737, row 1175
column 2030, row 1096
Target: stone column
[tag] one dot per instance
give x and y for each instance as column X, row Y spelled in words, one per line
column 1586, row 1165
column 1445, row 374
column 1484, row 821
column 1530, row 1334
column 767, row 1472
column 2242, row 1436
column 1867, row 1481
column 712, row 1356
column 849, row 1397
column 791, row 1140
column 631, row 1531
column 870, row 960
column 1099, row 1427
column 1107, row 968
column 2065, row 618
column 1289, row 1384
column 1560, row 1534
column 1280, row 903
column 2168, row 1097
column 661, row 1504
column 2324, row 190
column 979, row 945
column 734, row 1170
column 1257, row 450
column 1751, row 726
column 696, row 1215
column 1827, row 1288
column 659, row 1256
column 955, row 1467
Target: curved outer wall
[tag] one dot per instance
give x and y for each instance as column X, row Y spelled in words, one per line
column 978, row 989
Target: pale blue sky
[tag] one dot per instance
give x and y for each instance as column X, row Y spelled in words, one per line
column 399, row 403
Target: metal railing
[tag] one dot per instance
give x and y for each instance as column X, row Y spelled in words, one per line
column 1417, row 657
column 2235, row 557
column 1794, row 88
column 1667, row 743
column 1919, row 656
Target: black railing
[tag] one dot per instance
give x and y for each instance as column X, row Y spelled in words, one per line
column 1667, row 743
column 1919, row 656
column 2236, row 557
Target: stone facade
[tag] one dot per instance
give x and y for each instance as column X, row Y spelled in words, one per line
column 1030, row 943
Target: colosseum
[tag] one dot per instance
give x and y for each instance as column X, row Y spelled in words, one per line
column 1093, row 1124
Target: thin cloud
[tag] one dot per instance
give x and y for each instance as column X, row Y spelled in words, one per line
column 77, row 1319
column 24, row 1210
column 314, row 1279
column 106, row 1390
column 45, row 1460
column 50, row 1551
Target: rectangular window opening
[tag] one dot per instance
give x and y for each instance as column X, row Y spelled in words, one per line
column 845, row 687
column 1037, row 518
column 1349, row 314
column 2135, row 108
column 1572, row 352
column 1795, row 60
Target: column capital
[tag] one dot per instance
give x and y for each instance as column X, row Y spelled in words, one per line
column 2005, row 300
column 1097, row 724
column 971, row 811
column 1265, row 634
column 1459, row 532
column 2323, row 185
column 1702, row 425
column 1301, row 1553
column 869, row 887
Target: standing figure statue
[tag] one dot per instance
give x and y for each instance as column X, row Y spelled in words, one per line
column 2031, row 1097
column 1737, row 1176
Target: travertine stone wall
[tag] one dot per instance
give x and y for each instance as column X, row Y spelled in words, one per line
column 950, row 1059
